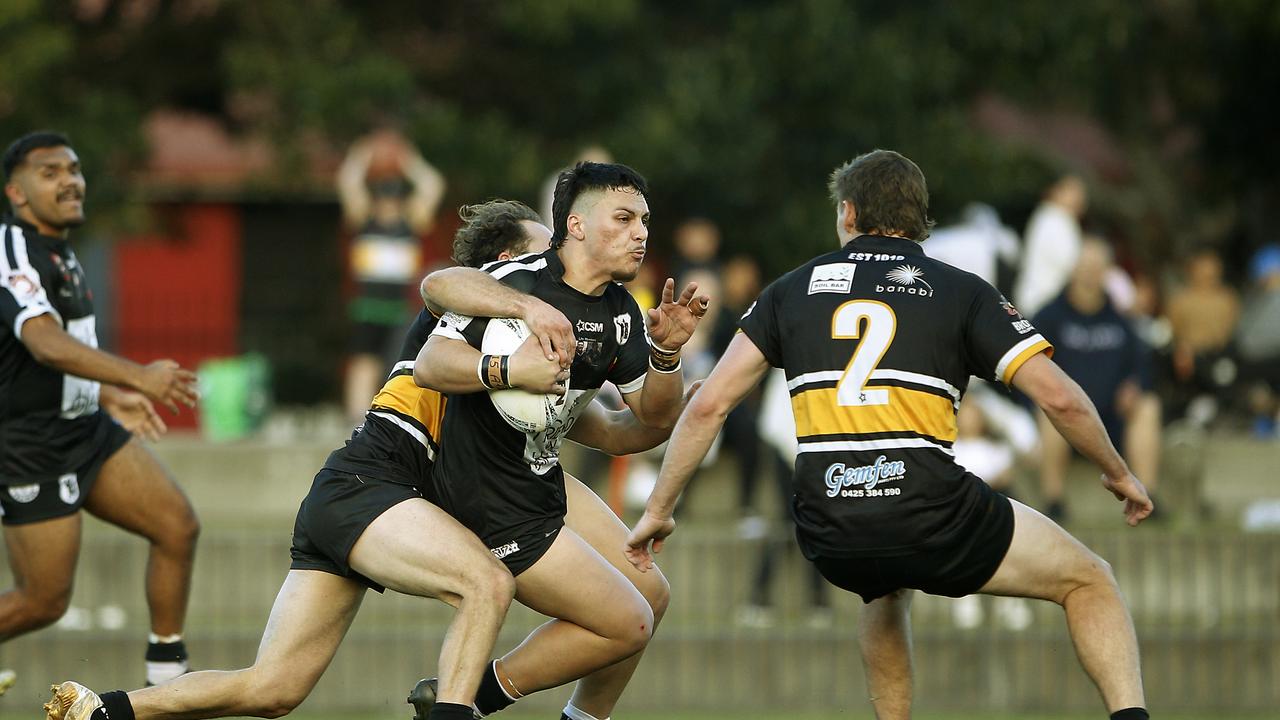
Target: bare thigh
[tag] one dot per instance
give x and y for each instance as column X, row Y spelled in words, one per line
column 418, row 549
column 133, row 491
column 1044, row 561
column 594, row 522
column 573, row 582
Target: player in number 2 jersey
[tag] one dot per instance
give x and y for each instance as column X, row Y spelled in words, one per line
column 878, row 342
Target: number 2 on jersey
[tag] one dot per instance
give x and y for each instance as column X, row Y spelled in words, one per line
column 846, row 324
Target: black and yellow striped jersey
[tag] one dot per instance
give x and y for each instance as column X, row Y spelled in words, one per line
column 878, row 342
column 399, row 437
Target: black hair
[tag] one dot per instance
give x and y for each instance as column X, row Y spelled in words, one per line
column 489, row 229
column 17, row 152
column 585, row 177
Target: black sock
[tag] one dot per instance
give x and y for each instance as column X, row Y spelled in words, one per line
column 115, row 706
column 490, row 697
column 1133, row 713
column 449, row 711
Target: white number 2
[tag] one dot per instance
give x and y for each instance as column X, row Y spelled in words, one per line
column 846, row 324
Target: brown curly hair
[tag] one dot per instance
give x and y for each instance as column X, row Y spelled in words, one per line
column 490, row 228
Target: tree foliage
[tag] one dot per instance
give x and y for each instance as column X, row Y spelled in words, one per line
column 737, row 111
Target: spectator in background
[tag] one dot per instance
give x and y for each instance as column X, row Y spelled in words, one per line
column 697, row 241
column 1258, row 340
column 740, row 284
column 980, row 244
column 389, row 196
column 1099, row 348
column 1203, row 316
column 1052, row 245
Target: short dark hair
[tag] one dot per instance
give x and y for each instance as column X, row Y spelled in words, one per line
column 490, row 228
column 584, row 177
column 20, row 148
column 888, row 192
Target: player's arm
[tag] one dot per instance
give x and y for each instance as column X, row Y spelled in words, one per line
column 619, row 432
column 451, row 365
column 428, row 190
column 468, row 291
column 739, row 370
column 1073, row 414
column 670, row 325
column 352, row 193
column 162, row 381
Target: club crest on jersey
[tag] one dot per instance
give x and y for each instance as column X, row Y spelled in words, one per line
column 833, row 278
column 622, row 324
column 907, row 279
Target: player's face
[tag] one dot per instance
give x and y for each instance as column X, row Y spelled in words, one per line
column 47, row 190
column 617, row 230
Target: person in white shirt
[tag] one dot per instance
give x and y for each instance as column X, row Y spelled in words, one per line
column 1052, row 245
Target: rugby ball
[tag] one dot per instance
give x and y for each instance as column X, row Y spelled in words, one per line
column 525, row 411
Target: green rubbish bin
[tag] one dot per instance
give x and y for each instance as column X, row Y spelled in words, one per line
column 235, row 394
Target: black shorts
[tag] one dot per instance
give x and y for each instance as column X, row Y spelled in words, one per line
column 334, row 514
column 55, row 496
column 521, row 552
column 956, row 569
column 371, row 338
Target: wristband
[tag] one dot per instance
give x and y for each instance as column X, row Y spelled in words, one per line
column 493, row 371
column 662, row 352
column 663, row 365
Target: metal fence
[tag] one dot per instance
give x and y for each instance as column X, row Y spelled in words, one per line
column 1207, row 607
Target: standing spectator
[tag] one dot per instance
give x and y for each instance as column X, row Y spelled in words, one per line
column 1258, row 340
column 1203, row 316
column 697, row 242
column 1052, row 245
column 389, row 197
column 1098, row 348
column 980, row 244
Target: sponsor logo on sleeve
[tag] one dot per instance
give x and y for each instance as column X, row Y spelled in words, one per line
column 23, row 287
column 833, row 278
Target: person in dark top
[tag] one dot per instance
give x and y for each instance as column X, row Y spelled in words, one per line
column 68, row 413
column 369, row 522
column 1099, row 348
column 507, row 485
column 389, row 195
column 878, row 342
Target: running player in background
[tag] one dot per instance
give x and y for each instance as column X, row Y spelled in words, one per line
column 366, row 524
column 880, row 504
column 557, row 537
column 68, row 413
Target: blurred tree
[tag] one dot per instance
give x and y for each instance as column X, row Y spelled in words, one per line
column 737, row 111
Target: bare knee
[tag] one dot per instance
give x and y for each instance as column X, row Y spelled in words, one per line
column 271, row 697
column 41, row 608
column 490, row 583
column 1092, row 573
column 657, row 592
column 180, row 531
column 633, row 630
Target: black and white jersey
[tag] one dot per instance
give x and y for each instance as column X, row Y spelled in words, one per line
column 878, row 342
column 500, row 481
column 399, row 437
column 40, row 407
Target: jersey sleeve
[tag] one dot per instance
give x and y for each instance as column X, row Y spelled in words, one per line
column 632, row 364
column 520, row 273
column 998, row 340
column 469, row 330
column 23, row 295
column 760, row 322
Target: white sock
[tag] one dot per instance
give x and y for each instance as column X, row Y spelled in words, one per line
column 163, row 672
column 577, row 714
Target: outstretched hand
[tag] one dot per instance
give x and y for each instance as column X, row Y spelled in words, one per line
column 649, row 532
column 672, row 323
column 1130, row 491
column 135, row 413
